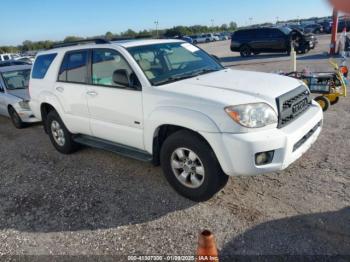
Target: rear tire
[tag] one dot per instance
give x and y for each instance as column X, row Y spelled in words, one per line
column 16, row 119
column 323, row 102
column 190, row 166
column 59, row 135
column 245, row 51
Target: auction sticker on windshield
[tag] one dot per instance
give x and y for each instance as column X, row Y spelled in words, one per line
column 190, row 47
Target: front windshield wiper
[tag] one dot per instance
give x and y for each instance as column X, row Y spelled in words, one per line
column 175, row 78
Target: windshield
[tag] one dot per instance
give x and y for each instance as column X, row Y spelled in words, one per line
column 286, row 30
column 165, row 63
column 18, row 79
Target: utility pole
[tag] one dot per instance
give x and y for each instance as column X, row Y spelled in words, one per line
column 250, row 20
column 277, row 19
column 212, row 23
column 334, row 32
column 157, row 33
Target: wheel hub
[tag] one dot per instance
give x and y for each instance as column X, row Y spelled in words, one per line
column 187, row 167
column 58, row 133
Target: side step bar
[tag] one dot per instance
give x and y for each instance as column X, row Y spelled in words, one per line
column 113, row 147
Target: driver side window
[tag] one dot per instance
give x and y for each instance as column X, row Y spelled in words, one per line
column 109, row 68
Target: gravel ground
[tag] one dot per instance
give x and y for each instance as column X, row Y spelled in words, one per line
column 97, row 203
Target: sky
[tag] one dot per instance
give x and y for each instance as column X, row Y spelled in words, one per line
column 54, row 19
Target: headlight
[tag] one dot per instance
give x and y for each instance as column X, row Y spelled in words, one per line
column 253, row 115
column 24, row 105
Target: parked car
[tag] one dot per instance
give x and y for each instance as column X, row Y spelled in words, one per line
column 5, row 57
column 222, row 36
column 27, row 59
column 198, row 120
column 197, row 39
column 13, row 62
column 187, row 39
column 212, row 37
column 344, row 24
column 14, row 95
column 270, row 40
column 327, row 26
column 313, row 28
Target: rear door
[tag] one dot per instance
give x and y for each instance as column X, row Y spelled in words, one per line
column 116, row 112
column 277, row 40
column 71, row 89
column 259, row 39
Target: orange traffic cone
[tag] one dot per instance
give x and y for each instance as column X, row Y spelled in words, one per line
column 207, row 250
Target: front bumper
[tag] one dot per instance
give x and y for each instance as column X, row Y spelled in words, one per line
column 236, row 152
column 27, row 116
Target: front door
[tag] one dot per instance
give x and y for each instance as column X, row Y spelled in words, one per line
column 115, row 108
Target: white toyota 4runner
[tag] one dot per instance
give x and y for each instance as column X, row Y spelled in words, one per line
column 169, row 102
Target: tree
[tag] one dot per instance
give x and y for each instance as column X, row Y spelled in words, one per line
column 109, row 36
column 224, row 27
column 129, row 33
column 72, row 38
column 233, row 26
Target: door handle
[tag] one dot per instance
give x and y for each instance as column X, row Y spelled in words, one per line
column 91, row 93
column 60, row 89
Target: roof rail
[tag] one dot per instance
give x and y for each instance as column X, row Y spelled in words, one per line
column 98, row 41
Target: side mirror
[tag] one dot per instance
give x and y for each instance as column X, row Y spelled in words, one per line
column 121, row 77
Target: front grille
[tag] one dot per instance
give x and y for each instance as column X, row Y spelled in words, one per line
column 292, row 104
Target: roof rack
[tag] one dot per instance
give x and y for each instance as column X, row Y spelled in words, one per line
column 98, row 41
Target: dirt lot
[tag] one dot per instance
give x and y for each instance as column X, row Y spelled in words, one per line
column 98, row 203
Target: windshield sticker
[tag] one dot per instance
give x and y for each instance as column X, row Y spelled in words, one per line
column 190, row 47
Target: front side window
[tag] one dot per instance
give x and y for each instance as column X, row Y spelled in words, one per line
column 18, row 79
column 41, row 65
column 109, row 66
column 165, row 63
column 74, row 67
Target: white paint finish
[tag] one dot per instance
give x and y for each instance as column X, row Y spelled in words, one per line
column 116, row 115
column 196, row 103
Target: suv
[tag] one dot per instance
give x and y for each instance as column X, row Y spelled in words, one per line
column 269, row 40
column 5, row 57
column 170, row 103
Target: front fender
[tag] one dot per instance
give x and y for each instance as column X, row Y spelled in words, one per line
column 182, row 117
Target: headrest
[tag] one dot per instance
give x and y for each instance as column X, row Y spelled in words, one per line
column 145, row 64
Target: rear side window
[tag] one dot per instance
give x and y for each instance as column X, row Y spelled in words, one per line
column 42, row 64
column 74, row 67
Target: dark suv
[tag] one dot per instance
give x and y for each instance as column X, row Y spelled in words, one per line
column 270, row 40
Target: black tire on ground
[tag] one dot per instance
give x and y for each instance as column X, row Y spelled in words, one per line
column 69, row 146
column 214, row 178
column 245, row 51
column 335, row 101
column 195, row 42
column 323, row 102
column 16, row 119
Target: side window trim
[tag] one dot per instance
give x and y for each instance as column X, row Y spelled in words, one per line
column 108, row 86
column 88, row 65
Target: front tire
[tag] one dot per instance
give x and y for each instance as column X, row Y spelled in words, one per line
column 16, row 119
column 59, row 135
column 190, row 166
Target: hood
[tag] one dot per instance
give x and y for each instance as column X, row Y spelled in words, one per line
column 20, row 93
column 234, row 87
